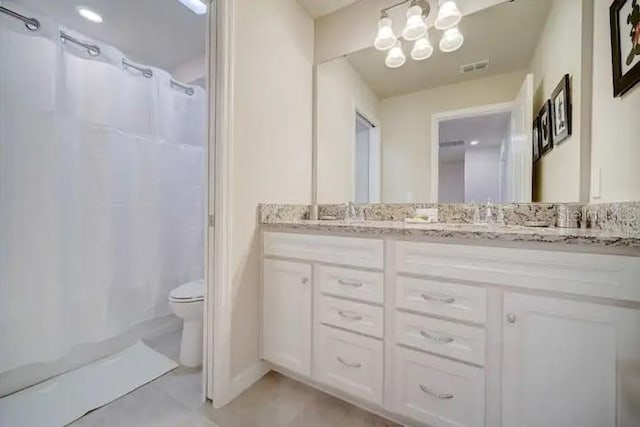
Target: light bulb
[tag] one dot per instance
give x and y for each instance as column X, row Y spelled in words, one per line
column 395, row 57
column 422, row 49
column 89, row 14
column 448, row 15
column 415, row 27
column 385, row 38
column 451, row 40
column 196, row 6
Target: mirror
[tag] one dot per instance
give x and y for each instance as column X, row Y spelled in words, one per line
column 457, row 127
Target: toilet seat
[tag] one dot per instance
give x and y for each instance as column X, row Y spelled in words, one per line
column 189, row 292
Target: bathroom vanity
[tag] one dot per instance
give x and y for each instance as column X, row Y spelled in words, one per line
column 457, row 325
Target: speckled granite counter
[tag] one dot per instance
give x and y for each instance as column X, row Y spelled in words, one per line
column 566, row 236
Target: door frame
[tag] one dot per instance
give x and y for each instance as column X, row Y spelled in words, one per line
column 436, row 118
column 218, row 300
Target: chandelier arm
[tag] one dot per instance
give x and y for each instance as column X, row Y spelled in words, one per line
column 388, row 8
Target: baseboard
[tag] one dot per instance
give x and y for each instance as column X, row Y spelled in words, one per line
column 246, row 379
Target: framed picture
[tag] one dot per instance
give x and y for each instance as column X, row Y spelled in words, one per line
column 561, row 110
column 546, row 132
column 625, row 44
column 536, row 139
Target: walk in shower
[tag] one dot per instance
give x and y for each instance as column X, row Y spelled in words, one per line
column 102, row 172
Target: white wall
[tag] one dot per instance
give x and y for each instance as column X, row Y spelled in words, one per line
column 482, row 174
column 616, row 124
column 558, row 174
column 451, row 182
column 341, row 92
column 271, row 143
column 406, row 130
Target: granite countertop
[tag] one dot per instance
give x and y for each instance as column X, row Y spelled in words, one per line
column 513, row 233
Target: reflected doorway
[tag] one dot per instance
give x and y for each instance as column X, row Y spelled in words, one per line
column 367, row 161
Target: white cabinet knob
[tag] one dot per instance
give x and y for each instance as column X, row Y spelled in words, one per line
column 511, row 318
column 304, row 280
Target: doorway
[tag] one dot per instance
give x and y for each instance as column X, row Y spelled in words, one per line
column 511, row 170
column 366, row 161
column 474, row 163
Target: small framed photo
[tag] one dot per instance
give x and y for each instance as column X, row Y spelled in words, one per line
column 546, row 131
column 561, row 110
column 536, row 139
column 625, row 44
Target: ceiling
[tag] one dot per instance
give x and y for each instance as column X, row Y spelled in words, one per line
column 320, row 8
column 161, row 33
column 488, row 130
column 505, row 34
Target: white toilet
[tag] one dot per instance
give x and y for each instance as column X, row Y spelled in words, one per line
column 187, row 302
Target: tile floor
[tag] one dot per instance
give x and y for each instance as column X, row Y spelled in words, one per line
column 173, row 400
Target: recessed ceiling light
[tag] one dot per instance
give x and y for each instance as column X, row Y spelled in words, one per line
column 474, row 142
column 196, row 6
column 89, row 14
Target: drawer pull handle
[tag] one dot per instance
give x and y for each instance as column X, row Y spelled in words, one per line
column 349, row 364
column 444, row 340
column 349, row 316
column 445, row 300
column 443, row 396
column 350, row 283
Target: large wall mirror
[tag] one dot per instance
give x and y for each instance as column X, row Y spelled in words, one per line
column 457, row 127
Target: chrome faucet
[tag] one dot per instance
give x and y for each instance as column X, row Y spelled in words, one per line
column 489, row 213
column 350, row 212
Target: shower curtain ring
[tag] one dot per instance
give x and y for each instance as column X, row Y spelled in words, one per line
column 32, row 25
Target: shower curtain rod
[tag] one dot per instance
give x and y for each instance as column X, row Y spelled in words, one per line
column 187, row 89
column 92, row 49
column 32, row 24
column 147, row 72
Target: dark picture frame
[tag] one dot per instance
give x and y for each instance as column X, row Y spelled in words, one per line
column 625, row 35
column 536, row 139
column 561, row 110
column 546, row 128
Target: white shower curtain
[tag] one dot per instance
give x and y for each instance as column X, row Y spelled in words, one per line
column 101, row 193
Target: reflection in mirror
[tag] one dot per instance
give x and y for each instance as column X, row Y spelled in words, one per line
column 367, row 165
column 474, row 159
column 456, row 126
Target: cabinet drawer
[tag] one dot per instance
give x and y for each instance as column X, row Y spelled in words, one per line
column 443, row 299
column 354, row 316
column 357, row 284
column 438, row 392
column 350, row 363
column 353, row 251
column 607, row 276
column 466, row 343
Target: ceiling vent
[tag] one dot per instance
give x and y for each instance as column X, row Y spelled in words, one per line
column 476, row 66
column 449, row 144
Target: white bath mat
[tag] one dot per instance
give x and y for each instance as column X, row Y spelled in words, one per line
column 65, row 398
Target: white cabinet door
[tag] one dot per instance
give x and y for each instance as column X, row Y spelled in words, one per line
column 559, row 363
column 286, row 338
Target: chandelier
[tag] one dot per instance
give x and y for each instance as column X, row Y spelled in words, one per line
column 416, row 31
